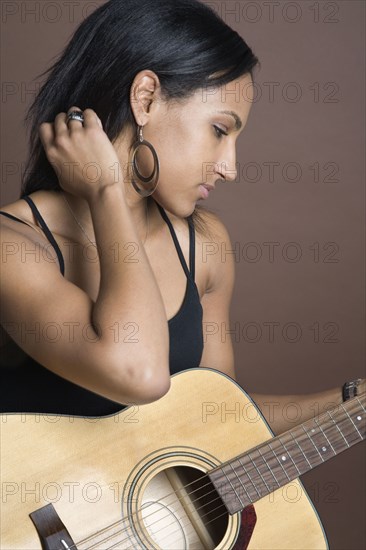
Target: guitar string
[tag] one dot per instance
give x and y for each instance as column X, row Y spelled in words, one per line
column 173, row 493
column 125, row 540
column 320, row 432
column 226, row 513
column 182, row 527
column 181, row 523
column 94, row 535
column 165, row 526
column 274, row 459
column 160, row 519
column 169, row 504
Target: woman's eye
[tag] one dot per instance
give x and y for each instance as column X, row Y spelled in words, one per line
column 219, row 132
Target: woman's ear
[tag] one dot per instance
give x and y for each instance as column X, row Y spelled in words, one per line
column 144, row 90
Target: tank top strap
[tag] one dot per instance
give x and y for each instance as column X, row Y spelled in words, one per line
column 47, row 232
column 14, row 218
column 192, row 248
column 190, row 273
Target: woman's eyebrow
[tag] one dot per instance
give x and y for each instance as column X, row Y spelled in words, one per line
column 238, row 122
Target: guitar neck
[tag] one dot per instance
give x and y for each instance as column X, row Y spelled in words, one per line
column 271, row 465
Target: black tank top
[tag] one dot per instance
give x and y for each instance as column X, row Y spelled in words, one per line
column 27, row 386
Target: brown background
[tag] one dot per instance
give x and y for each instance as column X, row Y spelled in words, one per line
column 310, row 281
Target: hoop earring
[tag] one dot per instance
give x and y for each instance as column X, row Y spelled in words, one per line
column 153, row 179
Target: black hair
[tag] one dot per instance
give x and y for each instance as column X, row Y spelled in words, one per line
column 183, row 41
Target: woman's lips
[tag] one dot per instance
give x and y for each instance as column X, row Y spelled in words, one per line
column 205, row 190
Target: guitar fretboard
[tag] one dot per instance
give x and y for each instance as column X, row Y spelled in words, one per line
column 254, row 474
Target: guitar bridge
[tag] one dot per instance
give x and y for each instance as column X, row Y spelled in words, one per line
column 51, row 531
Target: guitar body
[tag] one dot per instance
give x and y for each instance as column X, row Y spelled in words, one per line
column 114, row 480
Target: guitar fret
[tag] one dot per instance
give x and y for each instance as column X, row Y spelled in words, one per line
column 302, row 452
column 295, row 451
column 334, row 436
column 241, row 484
column 319, row 439
column 349, row 432
column 262, row 478
column 337, row 427
column 313, row 444
column 294, row 474
column 227, row 490
column 232, row 486
column 350, row 417
column 268, row 468
column 325, row 435
column 279, row 461
column 359, row 418
column 250, row 479
column 346, row 425
column 359, row 402
column 275, row 462
column 258, row 480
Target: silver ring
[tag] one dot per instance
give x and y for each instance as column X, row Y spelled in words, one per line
column 75, row 115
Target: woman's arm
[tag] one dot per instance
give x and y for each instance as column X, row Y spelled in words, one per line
column 118, row 346
column 282, row 412
column 218, row 350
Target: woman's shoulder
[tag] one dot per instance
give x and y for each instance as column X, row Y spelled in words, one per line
column 21, row 236
column 209, row 226
column 20, row 207
column 46, row 203
column 214, row 246
column 20, row 210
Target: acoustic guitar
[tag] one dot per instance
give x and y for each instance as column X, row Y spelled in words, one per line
column 197, row 469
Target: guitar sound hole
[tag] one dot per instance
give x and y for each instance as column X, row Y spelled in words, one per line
column 181, row 509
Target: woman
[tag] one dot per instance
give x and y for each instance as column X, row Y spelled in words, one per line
column 105, row 286
column 131, row 129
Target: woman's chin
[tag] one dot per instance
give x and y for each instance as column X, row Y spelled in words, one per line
column 180, row 209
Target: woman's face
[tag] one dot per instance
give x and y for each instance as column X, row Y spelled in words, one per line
column 195, row 142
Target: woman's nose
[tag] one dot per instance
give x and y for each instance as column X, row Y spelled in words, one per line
column 227, row 170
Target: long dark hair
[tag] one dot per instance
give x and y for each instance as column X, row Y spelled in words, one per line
column 183, row 41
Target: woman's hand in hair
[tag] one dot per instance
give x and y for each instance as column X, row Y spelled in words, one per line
column 81, row 154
